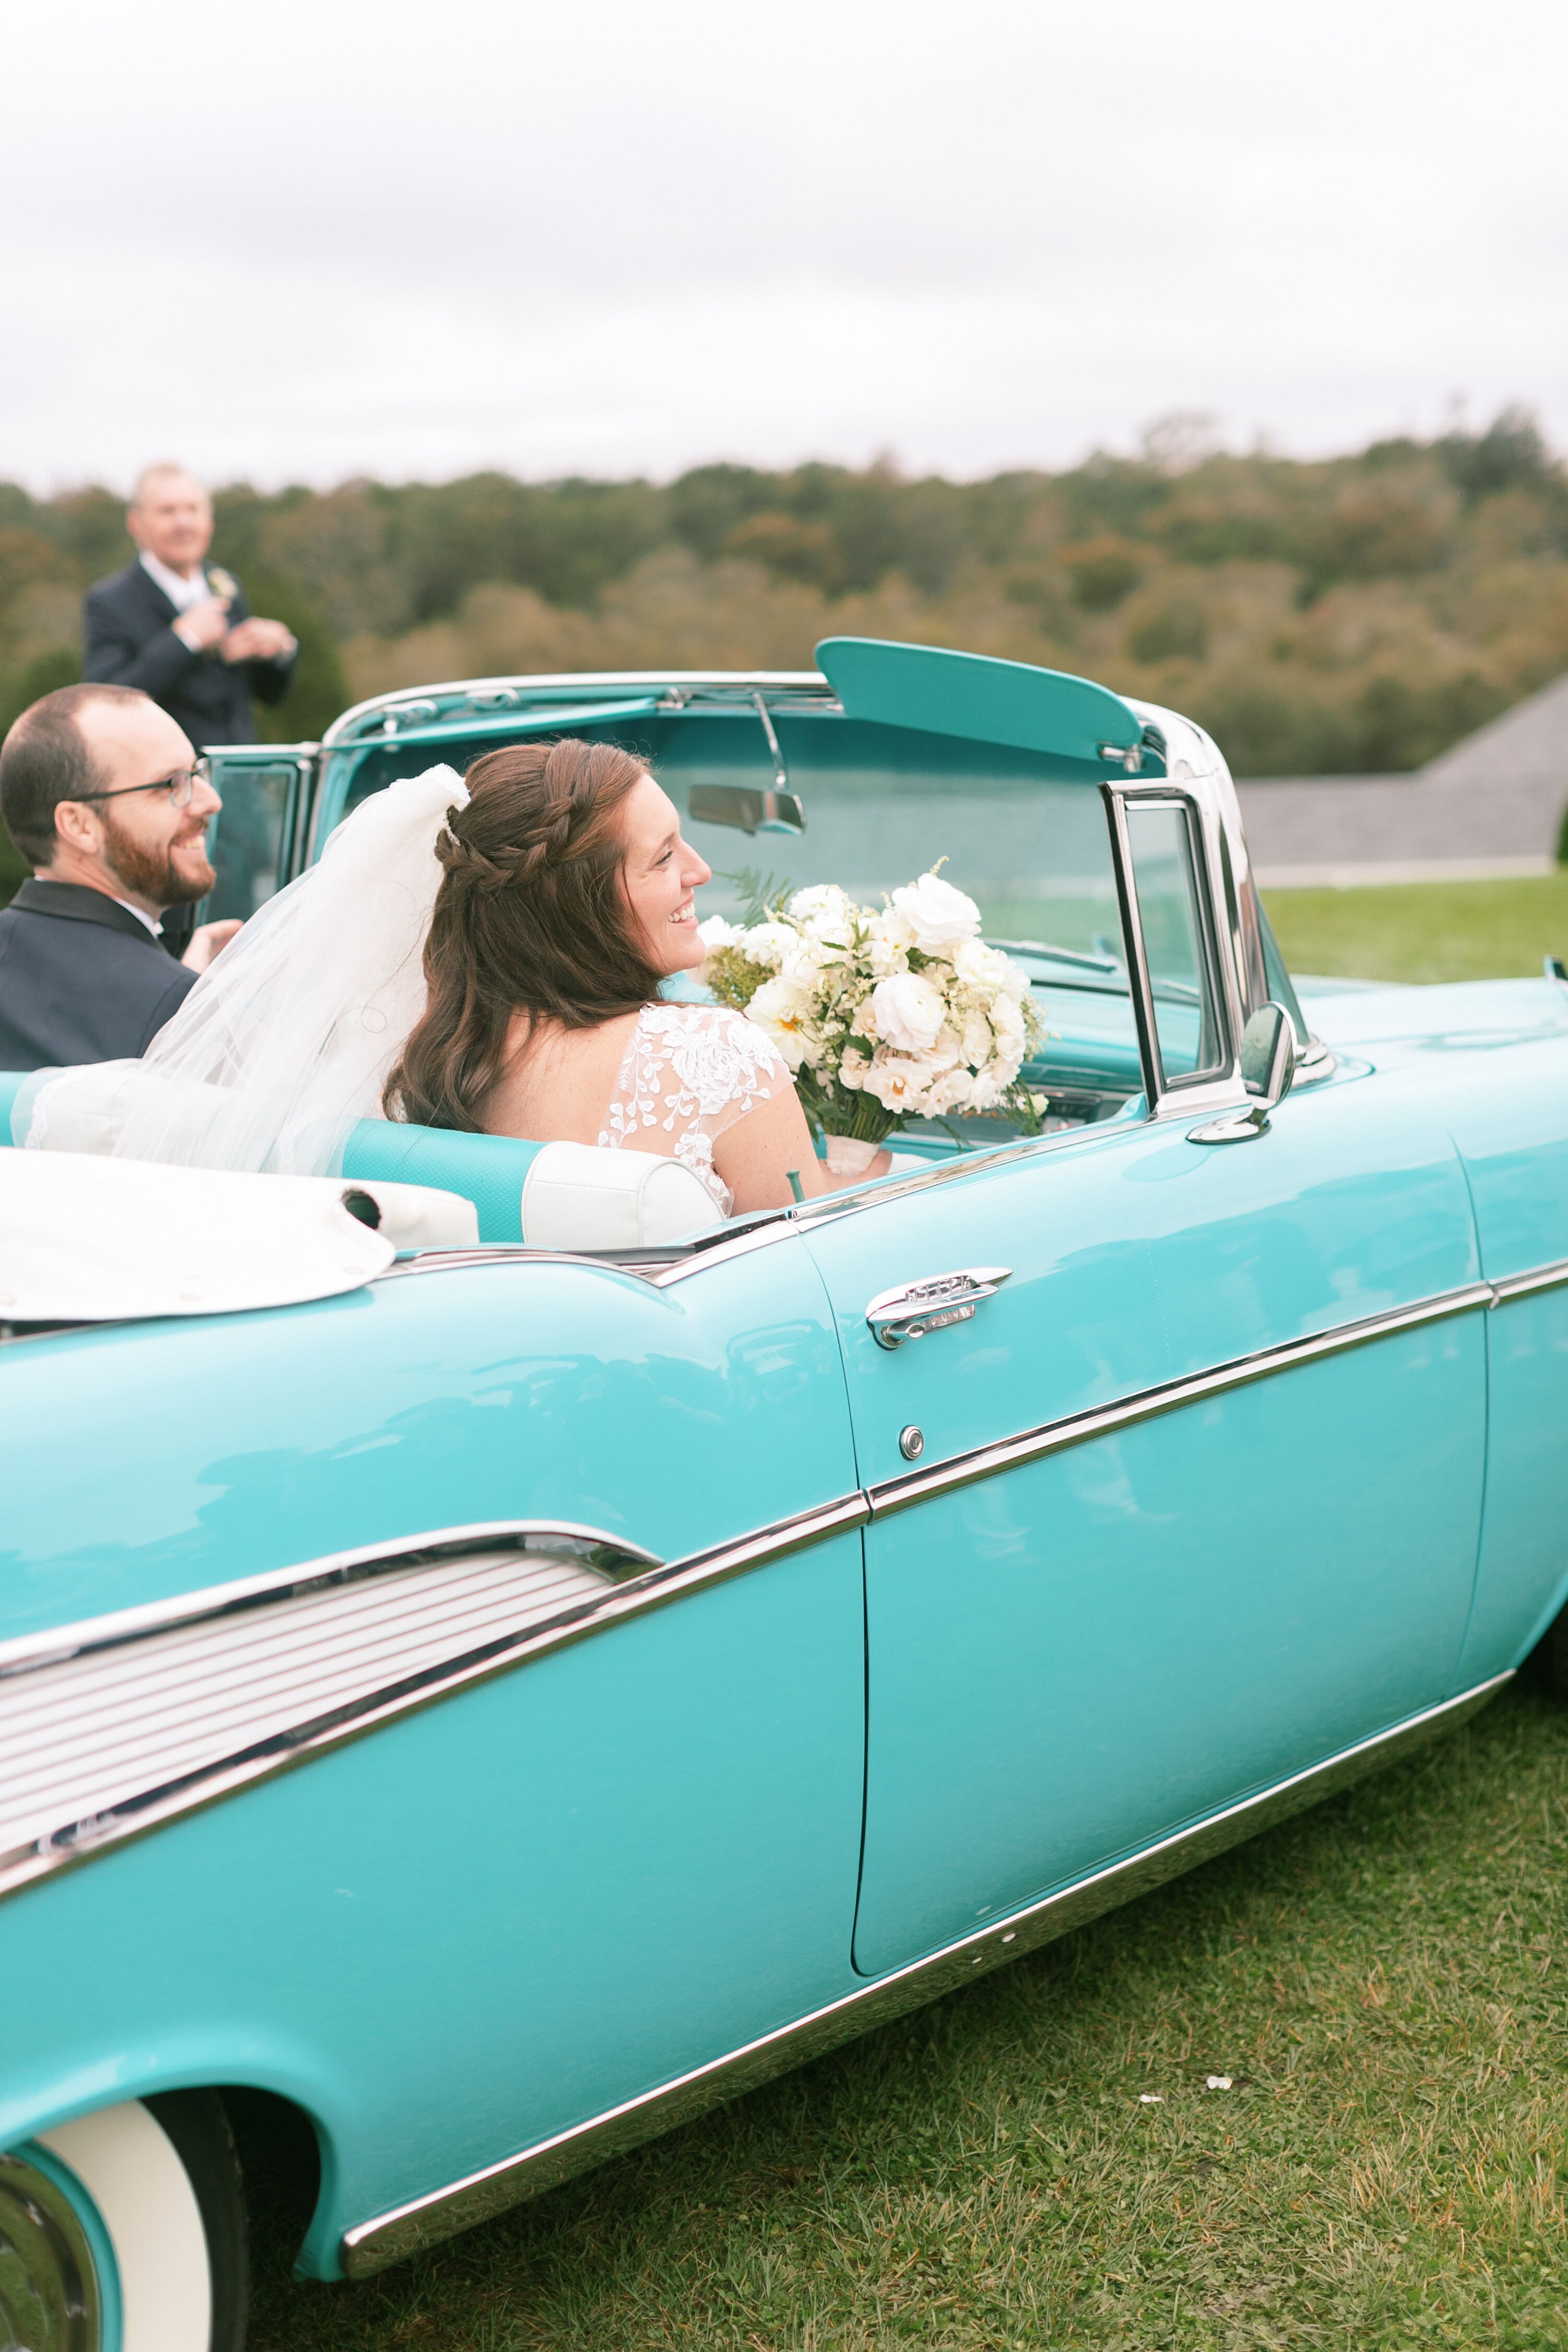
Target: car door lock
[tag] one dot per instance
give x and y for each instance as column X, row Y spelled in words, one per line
column 917, row 1308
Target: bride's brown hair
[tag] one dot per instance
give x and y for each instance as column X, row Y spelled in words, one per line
column 530, row 916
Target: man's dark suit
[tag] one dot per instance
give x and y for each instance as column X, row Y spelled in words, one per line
column 81, row 980
column 130, row 642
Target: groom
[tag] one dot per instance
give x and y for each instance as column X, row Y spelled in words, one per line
column 103, row 793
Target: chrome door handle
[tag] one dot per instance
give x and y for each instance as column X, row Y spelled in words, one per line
column 917, row 1308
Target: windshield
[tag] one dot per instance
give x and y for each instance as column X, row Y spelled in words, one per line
column 1036, row 858
column 882, row 806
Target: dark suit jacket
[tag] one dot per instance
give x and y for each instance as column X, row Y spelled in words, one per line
column 81, row 980
column 130, row 642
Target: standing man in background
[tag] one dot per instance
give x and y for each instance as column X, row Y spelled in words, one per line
column 181, row 634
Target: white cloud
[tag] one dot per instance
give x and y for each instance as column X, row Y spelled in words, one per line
column 311, row 241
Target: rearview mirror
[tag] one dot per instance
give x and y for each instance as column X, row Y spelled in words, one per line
column 745, row 809
column 1268, row 1071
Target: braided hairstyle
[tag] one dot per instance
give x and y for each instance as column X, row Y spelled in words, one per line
column 530, row 916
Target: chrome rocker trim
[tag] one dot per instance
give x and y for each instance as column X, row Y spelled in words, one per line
column 391, row 2237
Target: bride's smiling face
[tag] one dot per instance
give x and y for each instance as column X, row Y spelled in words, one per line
column 660, row 873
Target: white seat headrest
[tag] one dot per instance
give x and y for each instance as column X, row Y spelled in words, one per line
column 576, row 1196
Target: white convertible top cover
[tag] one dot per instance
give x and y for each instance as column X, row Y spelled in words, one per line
column 85, row 1240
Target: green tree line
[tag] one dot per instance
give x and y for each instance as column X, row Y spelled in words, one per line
column 1356, row 614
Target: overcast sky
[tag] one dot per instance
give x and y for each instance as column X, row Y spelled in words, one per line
column 314, row 238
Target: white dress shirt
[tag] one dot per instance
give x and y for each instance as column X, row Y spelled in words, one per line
column 181, row 593
column 142, row 916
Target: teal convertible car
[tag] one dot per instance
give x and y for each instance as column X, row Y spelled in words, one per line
column 501, row 1680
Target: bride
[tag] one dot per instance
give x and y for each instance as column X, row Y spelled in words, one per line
column 484, row 956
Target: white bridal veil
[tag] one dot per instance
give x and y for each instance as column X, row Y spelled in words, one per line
column 287, row 1040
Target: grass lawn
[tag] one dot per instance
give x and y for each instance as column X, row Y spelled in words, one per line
column 1424, row 930
column 1381, row 1979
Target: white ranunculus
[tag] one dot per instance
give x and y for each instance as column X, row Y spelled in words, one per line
column 989, row 1086
column 776, row 1008
column 769, row 943
column 938, row 916
column 908, row 1013
column 824, row 910
column 717, row 933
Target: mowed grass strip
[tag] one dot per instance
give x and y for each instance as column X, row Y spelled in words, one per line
column 1381, row 1981
column 1424, row 930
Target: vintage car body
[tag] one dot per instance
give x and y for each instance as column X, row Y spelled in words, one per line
column 508, row 1706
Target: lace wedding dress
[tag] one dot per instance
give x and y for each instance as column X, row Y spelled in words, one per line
column 690, row 1072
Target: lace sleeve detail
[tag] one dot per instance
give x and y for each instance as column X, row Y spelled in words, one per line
column 690, row 1072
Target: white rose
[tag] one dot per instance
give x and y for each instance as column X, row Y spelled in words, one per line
column 769, row 943
column 803, row 964
column 938, row 915
column 988, row 1087
column 977, row 1040
column 985, row 968
column 852, row 1069
column 824, row 910
column 1008, row 1023
column 888, row 942
column 908, row 1012
column 948, row 1090
column 899, row 1081
column 777, row 1008
column 717, row 933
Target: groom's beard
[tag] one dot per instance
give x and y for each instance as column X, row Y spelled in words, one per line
column 154, row 873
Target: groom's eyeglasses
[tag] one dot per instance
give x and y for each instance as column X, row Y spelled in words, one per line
column 180, row 786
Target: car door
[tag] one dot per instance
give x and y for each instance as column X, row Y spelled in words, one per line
column 1148, row 1531
column 252, row 842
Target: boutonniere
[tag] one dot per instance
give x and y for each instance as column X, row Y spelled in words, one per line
column 222, row 583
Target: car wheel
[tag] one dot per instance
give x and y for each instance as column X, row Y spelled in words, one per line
column 124, row 2231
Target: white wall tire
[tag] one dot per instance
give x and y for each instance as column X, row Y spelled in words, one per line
column 152, row 2203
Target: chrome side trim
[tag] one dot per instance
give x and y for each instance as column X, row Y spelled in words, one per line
column 113, row 1725
column 609, row 1555
column 391, row 2237
column 1521, row 1286
column 1078, row 1428
column 583, row 1581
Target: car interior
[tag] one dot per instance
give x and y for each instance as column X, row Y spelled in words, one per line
column 776, row 795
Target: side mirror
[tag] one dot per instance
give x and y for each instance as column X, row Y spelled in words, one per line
column 1267, row 1072
column 1268, row 1054
column 746, row 809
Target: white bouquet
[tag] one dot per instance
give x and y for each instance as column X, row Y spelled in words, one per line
column 882, row 1014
